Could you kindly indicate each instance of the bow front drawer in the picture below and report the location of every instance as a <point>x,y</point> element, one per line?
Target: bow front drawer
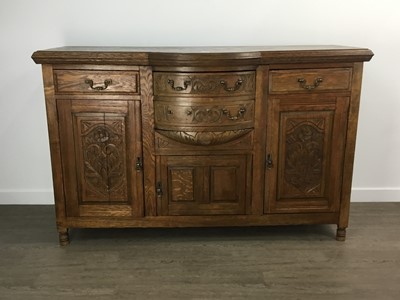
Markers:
<point>94,81</point>
<point>204,84</point>
<point>204,116</point>
<point>306,80</point>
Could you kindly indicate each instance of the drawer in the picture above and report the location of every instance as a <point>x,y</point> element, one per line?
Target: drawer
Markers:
<point>204,84</point>
<point>306,80</point>
<point>94,81</point>
<point>196,116</point>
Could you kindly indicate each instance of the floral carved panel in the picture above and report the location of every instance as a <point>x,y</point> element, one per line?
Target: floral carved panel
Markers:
<point>304,155</point>
<point>103,158</point>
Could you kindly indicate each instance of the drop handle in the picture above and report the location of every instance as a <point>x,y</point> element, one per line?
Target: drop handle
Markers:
<point>269,162</point>
<point>309,87</point>
<point>239,114</point>
<point>234,88</point>
<point>106,83</point>
<point>186,84</point>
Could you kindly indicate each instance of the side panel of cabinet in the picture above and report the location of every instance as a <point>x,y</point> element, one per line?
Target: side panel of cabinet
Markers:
<point>305,147</point>
<point>100,143</point>
<point>202,185</point>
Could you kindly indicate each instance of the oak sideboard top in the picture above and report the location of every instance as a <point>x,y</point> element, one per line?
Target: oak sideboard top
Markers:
<point>254,55</point>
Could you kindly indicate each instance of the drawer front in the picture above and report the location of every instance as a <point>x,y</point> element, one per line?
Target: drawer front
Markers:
<point>236,114</point>
<point>306,80</point>
<point>82,81</point>
<point>204,84</point>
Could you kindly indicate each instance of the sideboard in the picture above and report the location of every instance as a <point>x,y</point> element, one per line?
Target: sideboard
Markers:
<point>189,137</point>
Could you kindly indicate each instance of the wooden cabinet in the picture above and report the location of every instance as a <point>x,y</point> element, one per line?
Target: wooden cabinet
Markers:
<point>175,137</point>
<point>101,157</point>
<point>305,152</point>
<point>308,110</point>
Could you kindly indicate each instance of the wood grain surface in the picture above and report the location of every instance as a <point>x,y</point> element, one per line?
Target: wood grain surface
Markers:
<point>284,262</point>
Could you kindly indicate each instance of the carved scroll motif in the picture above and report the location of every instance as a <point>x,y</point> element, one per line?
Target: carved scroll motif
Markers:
<point>304,156</point>
<point>205,85</point>
<point>209,115</point>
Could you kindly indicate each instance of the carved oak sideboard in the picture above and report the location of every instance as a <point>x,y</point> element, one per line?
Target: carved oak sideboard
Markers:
<point>185,137</point>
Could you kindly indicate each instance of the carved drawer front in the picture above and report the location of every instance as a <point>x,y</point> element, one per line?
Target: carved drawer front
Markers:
<point>204,84</point>
<point>234,115</point>
<point>94,81</point>
<point>307,80</point>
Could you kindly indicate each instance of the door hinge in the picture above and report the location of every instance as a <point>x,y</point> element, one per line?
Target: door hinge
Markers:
<point>159,190</point>
<point>139,164</point>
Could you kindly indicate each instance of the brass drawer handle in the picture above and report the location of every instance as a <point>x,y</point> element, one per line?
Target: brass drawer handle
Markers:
<point>240,113</point>
<point>186,83</point>
<point>237,85</point>
<point>107,82</point>
<point>303,83</point>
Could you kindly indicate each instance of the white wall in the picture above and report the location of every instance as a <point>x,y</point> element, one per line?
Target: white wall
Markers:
<point>26,25</point>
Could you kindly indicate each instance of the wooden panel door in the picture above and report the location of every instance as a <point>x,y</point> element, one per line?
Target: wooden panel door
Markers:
<point>101,155</point>
<point>305,145</point>
<point>204,185</point>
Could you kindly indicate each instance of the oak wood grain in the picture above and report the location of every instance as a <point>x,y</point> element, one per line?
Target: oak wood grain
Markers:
<point>94,81</point>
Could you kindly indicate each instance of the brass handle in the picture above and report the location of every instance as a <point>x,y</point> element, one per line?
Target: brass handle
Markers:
<point>107,82</point>
<point>303,83</point>
<point>237,85</point>
<point>239,114</point>
<point>186,83</point>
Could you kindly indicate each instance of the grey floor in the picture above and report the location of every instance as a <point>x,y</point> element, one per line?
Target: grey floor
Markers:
<point>292,262</point>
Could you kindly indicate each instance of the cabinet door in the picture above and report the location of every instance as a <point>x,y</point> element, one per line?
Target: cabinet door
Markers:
<point>305,146</point>
<point>100,146</point>
<point>204,185</point>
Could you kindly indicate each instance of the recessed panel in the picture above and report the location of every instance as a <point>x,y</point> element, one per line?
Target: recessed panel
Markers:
<point>224,183</point>
<point>181,184</point>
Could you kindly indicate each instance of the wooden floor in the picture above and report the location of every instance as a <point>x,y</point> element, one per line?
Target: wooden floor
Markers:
<point>298,262</point>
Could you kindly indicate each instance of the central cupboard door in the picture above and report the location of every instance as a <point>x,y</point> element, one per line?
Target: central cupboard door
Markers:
<point>204,185</point>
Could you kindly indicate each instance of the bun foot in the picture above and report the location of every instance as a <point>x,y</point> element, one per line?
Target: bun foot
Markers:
<point>341,234</point>
<point>63,236</point>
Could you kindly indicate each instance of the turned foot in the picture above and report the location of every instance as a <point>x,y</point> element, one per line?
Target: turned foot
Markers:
<point>63,236</point>
<point>341,234</point>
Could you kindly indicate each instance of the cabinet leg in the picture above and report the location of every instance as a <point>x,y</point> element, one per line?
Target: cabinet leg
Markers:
<point>63,236</point>
<point>341,234</point>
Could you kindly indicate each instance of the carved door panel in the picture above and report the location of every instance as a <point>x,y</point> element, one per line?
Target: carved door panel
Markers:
<point>202,185</point>
<point>100,146</point>
<point>305,146</point>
